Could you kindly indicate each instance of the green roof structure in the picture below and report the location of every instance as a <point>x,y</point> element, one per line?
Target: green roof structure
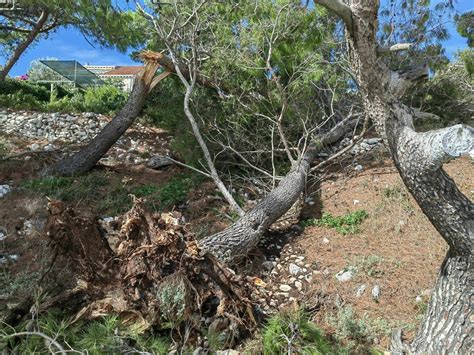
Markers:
<point>74,72</point>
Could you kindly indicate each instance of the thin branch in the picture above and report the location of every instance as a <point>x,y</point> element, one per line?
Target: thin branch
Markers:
<point>51,340</point>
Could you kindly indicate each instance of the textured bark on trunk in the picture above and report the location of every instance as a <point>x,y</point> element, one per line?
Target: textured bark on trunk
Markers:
<point>447,325</point>
<point>24,45</point>
<point>86,158</point>
<point>237,240</point>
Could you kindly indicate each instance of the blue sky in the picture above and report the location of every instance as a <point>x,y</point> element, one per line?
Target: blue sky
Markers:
<point>68,44</point>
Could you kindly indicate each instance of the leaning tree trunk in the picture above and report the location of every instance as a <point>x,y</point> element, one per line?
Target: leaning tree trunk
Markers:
<point>236,241</point>
<point>447,325</point>
<point>18,51</point>
<point>86,158</point>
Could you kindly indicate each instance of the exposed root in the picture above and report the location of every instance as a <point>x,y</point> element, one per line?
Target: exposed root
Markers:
<point>151,271</point>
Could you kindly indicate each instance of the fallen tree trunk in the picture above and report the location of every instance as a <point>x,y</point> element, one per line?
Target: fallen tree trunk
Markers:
<point>86,158</point>
<point>236,241</point>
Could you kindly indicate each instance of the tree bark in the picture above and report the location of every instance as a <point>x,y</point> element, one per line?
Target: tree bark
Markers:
<point>447,325</point>
<point>24,45</point>
<point>86,158</point>
<point>236,241</point>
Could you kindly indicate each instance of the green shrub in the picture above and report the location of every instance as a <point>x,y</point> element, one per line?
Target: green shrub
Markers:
<point>38,92</point>
<point>306,337</point>
<point>104,99</point>
<point>346,224</point>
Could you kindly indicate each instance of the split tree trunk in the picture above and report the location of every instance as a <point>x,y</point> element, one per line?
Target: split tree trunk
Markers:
<point>87,157</point>
<point>236,241</point>
<point>447,325</point>
<point>24,45</point>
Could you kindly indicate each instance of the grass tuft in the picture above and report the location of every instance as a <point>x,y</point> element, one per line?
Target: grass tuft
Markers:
<point>346,224</point>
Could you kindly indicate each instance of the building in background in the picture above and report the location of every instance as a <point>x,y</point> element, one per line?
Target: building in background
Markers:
<point>100,69</point>
<point>126,74</point>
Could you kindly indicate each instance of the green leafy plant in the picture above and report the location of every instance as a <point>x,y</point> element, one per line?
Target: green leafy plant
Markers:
<point>346,224</point>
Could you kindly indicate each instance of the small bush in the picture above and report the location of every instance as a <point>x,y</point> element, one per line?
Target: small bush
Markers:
<point>347,224</point>
<point>306,337</point>
<point>104,99</point>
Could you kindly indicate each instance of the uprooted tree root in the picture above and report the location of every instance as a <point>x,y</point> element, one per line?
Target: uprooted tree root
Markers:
<point>151,272</point>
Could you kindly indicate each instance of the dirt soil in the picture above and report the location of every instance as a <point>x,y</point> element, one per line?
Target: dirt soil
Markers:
<point>397,249</point>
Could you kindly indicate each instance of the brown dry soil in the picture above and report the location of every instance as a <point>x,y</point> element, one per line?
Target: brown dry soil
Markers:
<point>397,248</point>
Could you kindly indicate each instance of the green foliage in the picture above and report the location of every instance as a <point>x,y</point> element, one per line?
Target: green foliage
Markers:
<point>346,224</point>
<point>465,26</point>
<point>102,21</point>
<point>103,336</point>
<point>306,337</point>
<point>19,94</point>
<point>23,95</point>
<point>104,99</point>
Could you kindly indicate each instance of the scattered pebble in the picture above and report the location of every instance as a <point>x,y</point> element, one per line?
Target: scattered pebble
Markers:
<point>358,167</point>
<point>376,293</point>
<point>345,275</point>
<point>294,269</point>
<point>360,290</point>
<point>285,288</point>
<point>4,189</point>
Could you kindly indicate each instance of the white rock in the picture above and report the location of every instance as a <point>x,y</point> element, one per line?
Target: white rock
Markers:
<point>298,285</point>
<point>35,147</point>
<point>294,269</point>
<point>376,292</point>
<point>3,236</point>
<point>269,265</point>
<point>360,290</point>
<point>358,167</point>
<point>285,288</point>
<point>345,275</point>
<point>325,240</point>
<point>4,189</point>
<point>356,202</point>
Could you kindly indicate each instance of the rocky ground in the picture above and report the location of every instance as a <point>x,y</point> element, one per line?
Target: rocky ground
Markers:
<point>374,279</point>
<point>50,132</point>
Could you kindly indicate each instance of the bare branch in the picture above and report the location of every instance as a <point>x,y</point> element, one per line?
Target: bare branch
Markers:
<point>340,9</point>
<point>395,48</point>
